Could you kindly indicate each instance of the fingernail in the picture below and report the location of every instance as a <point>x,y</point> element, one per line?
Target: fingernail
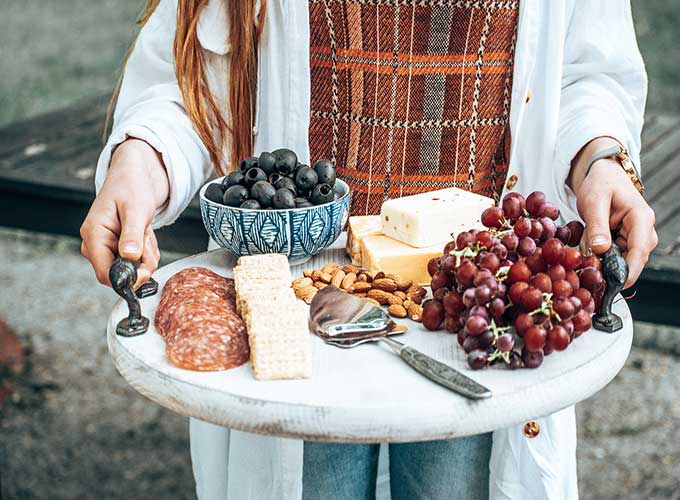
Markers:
<point>130,247</point>
<point>598,240</point>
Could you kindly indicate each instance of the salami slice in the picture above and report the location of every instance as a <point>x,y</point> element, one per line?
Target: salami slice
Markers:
<point>197,319</point>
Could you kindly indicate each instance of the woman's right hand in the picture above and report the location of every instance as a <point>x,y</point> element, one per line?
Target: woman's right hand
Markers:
<point>119,220</point>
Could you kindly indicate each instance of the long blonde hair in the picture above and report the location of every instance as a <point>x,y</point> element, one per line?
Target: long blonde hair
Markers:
<point>245,27</point>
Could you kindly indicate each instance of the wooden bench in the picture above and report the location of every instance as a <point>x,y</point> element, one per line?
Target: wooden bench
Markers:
<point>46,184</point>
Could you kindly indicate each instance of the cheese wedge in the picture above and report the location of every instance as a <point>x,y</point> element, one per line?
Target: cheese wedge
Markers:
<point>382,253</point>
<point>427,219</point>
<point>358,227</point>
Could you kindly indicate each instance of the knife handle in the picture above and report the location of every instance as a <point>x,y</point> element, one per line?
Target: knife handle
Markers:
<point>442,374</point>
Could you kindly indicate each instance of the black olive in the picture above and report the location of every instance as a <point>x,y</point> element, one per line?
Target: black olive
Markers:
<point>286,161</point>
<point>247,164</point>
<point>235,195</point>
<point>283,199</point>
<point>299,166</point>
<point>326,172</point>
<point>287,183</point>
<point>300,199</point>
<point>306,178</point>
<point>274,178</point>
<point>322,193</point>
<point>303,204</point>
<point>254,175</point>
<point>267,162</point>
<point>214,193</point>
<point>252,204</point>
<point>233,179</point>
<point>263,192</point>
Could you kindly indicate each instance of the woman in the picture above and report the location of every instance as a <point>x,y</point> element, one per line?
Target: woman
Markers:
<point>405,96</point>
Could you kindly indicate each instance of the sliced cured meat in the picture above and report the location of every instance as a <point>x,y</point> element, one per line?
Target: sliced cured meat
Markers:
<point>197,319</point>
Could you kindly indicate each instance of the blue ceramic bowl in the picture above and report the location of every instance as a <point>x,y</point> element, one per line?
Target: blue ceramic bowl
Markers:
<point>298,233</point>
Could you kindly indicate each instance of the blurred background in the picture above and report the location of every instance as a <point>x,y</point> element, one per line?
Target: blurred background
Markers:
<point>70,427</point>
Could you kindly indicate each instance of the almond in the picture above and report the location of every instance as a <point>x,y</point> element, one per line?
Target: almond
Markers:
<point>400,294</point>
<point>393,299</point>
<point>360,295</point>
<point>348,281</point>
<point>349,268</point>
<point>307,273</point>
<point>320,285</point>
<point>361,286</point>
<point>325,277</point>
<point>307,293</point>
<point>415,312</point>
<point>374,275</point>
<point>403,284</point>
<point>329,268</point>
<point>407,303</point>
<point>385,284</point>
<point>302,282</point>
<point>338,276</point>
<point>414,297</point>
<point>372,301</point>
<point>397,311</point>
<point>363,277</point>
<point>379,295</point>
<point>416,289</point>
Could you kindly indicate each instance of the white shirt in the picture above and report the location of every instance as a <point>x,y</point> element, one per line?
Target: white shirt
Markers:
<point>577,75</point>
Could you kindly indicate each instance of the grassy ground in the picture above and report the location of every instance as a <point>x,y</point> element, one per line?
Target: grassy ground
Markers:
<point>52,53</point>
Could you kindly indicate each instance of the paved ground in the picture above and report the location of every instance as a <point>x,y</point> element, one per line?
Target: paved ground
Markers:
<point>74,429</point>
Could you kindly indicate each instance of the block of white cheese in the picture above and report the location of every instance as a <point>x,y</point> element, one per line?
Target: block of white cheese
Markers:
<point>426,219</point>
<point>358,227</point>
<point>382,253</point>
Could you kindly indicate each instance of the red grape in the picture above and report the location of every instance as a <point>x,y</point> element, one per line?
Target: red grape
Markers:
<point>522,227</point>
<point>572,278</point>
<point>469,297</point>
<point>515,291</point>
<point>515,360</point>
<point>583,295</point>
<point>453,303</point>
<point>519,271</point>
<point>482,295</point>
<point>592,261</point>
<point>550,211</point>
<point>449,247</point>
<point>475,325</point>
<point>490,261</point>
<point>569,327</point>
<point>485,239</point>
<point>512,208</point>
<point>526,247</point>
<point>464,239</point>
<point>590,306</point>
<point>480,311</point>
<point>591,278</point>
<point>486,338</point>
<point>439,294</point>
<point>576,229</point>
<point>536,229</point>
<point>497,307</point>
<point>518,197</point>
<point>461,336</point>
<point>561,288</point>
<point>549,228</point>
<point>470,344</point>
<point>581,321</point>
<point>482,276</point>
<point>556,272</point>
<point>563,234</point>
<point>505,342</point>
<point>534,338</point>
<point>433,265</point>
<point>452,323</point>
<point>532,359</point>
<point>558,338</point>
<point>477,359</point>
<point>564,307</point>
<point>502,290</point>
<point>493,217</point>
<point>447,263</point>
<point>576,302</point>
<point>500,251</point>
<point>510,240</point>
<point>553,251</point>
<point>536,263</point>
<point>433,315</point>
<point>535,203</point>
<point>571,259</point>
<point>523,322</point>
<point>531,299</point>
<point>542,281</point>
<point>466,273</point>
<point>440,280</point>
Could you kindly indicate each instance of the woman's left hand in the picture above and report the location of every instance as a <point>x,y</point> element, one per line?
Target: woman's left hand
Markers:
<point>608,200</point>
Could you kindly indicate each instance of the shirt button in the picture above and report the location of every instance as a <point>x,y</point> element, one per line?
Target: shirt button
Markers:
<point>527,98</point>
<point>531,429</point>
<point>255,130</point>
<point>512,180</point>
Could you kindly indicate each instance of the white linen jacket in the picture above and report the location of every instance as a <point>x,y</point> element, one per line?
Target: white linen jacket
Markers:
<point>578,75</point>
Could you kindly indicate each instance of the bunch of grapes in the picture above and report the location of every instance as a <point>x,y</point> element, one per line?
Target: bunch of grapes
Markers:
<point>518,290</point>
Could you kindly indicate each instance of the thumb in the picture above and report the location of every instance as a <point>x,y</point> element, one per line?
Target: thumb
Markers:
<point>133,225</point>
<point>595,211</point>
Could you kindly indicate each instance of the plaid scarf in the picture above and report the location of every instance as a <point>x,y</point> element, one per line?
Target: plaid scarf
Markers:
<point>412,95</point>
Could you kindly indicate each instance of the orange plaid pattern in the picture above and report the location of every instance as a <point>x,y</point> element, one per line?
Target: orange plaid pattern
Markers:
<point>412,95</point>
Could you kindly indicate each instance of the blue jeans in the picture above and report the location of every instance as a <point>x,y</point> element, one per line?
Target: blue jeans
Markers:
<point>436,470</point>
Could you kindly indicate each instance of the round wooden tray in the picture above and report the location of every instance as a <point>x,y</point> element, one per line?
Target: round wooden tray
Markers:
<point>366,394</point>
